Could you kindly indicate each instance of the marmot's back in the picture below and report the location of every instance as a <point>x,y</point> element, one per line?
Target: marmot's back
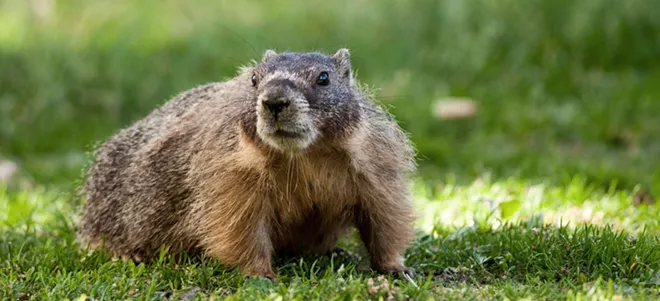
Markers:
<point>285,156</point>
<point>138,179</point>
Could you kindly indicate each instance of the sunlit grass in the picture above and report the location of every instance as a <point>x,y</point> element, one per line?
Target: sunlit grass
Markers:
<point>497,202</point>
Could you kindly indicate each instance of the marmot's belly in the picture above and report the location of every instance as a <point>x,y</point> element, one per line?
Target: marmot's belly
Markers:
<point>317,232</point>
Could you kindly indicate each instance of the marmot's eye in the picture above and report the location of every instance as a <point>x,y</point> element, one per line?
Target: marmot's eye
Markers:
<point>324,79</point>
<point>254,79</point>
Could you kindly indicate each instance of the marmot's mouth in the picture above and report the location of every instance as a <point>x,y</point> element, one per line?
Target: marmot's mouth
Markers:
<point>287,134</point>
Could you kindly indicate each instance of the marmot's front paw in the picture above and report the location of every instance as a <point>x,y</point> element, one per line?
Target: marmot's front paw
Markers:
<point>397,270</point>
<point>266,275</point>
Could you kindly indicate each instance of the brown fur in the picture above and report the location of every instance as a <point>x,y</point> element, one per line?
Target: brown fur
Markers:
<point>195,175</point>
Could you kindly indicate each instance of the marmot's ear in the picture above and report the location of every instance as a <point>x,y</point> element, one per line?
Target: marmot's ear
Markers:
<point>342,59</point>
<point>268,55</point>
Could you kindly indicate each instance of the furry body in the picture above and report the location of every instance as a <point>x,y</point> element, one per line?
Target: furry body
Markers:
<point>214,170</point>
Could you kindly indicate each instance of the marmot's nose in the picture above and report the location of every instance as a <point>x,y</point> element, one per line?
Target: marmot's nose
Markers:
<point>276,105</point>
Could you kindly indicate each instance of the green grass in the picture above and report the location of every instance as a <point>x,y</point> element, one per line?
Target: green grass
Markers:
<point>533,197</point>
<point>484,253</point>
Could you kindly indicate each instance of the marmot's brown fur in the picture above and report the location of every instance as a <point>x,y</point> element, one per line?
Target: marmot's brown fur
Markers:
<point>285,156</point>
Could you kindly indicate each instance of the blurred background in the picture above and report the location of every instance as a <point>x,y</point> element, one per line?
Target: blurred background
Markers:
<point>548,89</point>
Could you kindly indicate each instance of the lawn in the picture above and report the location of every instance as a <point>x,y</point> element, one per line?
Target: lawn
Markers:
<point>545,193</point>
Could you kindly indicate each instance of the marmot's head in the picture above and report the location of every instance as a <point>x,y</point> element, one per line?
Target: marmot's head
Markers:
<point>303,97</point>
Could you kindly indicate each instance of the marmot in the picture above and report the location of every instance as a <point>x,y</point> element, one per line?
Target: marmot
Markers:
<point>285,156</point>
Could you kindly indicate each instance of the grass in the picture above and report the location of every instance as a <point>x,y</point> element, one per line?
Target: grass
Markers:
<point>536,197</point>
<point>488,251</point>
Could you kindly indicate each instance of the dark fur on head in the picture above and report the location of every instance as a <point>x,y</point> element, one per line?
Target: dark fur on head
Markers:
<point>310,108</point>
<point>278,158</point>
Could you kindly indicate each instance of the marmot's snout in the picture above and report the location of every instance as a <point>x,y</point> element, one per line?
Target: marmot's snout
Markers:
<point>283,119</point>
<point>276,97</point>
<point>281,106</point>
<point>276,105</point>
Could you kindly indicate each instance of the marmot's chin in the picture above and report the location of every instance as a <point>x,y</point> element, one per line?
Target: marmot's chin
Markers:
<point>284,140</point>
<point>286,143</point>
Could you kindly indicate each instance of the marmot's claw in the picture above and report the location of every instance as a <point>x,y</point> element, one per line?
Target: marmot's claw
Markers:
<point>410,272</point>
<point>340,251</point>
<point>268,275</point>
<point>403,272</point>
